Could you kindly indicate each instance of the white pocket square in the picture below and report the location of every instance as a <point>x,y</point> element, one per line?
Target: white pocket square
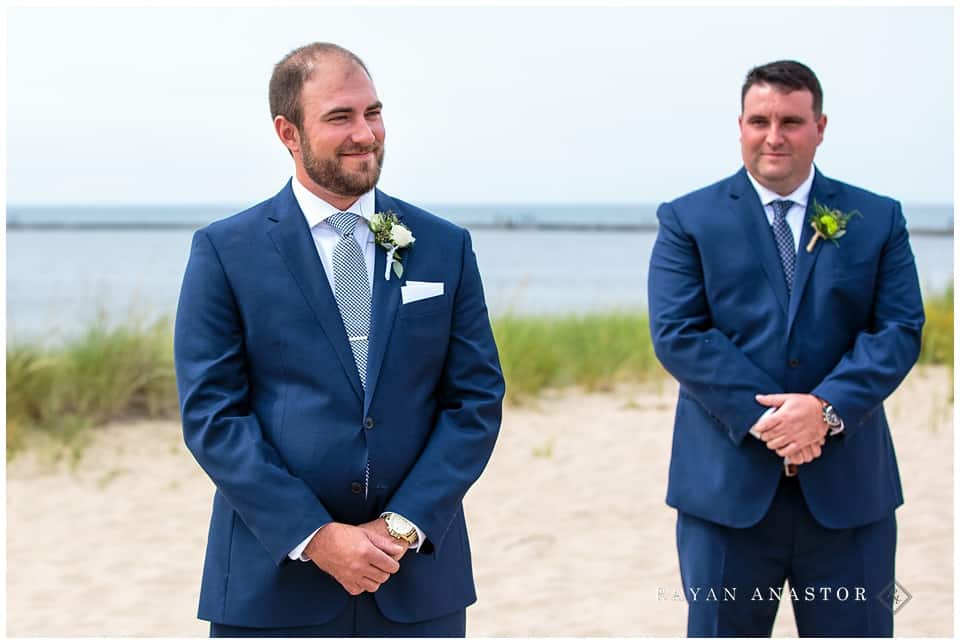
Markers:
<point>416,291</point>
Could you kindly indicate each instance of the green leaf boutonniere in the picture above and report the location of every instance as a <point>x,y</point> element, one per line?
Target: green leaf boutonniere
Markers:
<point>393,236</point>
<point>829,224</point>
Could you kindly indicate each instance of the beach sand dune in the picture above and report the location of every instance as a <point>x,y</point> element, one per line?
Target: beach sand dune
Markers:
<point>569,530</point>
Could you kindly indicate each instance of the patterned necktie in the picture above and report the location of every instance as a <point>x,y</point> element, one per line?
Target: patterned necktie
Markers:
<point>351,288</point>
<point>784,237</point>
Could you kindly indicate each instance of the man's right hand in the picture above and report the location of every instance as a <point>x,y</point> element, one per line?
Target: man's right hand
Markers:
<point>377,532</point>
<point>807,453</point>
<point>349,555</point>
<point>796,430</point>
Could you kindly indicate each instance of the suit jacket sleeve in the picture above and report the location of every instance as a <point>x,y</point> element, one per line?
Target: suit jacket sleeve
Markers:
<point>705,362</point>
<point>218,426</point>
<point>881,355</point>
<point>470,394</point>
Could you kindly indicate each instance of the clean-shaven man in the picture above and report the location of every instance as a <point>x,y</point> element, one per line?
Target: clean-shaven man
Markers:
<point>339,383</point>
<point>785,339</point>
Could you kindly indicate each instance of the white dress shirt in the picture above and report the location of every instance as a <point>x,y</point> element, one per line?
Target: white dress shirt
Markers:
<point>325,237</point>
<point>794,218</point>
<point>799,197</point>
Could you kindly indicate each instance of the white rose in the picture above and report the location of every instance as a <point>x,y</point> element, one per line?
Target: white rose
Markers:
<point>401,236</point>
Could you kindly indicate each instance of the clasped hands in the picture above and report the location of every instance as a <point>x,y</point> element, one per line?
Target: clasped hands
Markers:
<point>796,430</point>
<point>360,558</point>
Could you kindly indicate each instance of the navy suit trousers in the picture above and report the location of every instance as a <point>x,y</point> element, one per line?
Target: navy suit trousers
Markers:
<point>360,618</point>
<point>731,576</point>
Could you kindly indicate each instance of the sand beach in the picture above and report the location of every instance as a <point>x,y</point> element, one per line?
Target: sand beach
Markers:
<point>569,530</point>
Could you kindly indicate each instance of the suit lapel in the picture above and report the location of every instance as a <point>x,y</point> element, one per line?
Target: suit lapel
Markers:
<point>749,212</point>
<point>291,235</point>
<point>386,302</point>
<point>822,191</point>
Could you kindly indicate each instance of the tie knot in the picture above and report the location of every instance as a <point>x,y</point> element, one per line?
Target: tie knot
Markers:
<point>780,208</point>
<point>344,222</point>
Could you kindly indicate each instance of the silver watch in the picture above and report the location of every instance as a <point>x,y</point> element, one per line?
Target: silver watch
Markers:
<point>830,417</point>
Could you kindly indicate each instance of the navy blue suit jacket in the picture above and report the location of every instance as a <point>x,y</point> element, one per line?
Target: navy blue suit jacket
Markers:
<point>274,412</point>
<point>723,325</point>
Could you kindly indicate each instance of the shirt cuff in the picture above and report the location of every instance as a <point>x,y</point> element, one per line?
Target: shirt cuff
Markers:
<point>297,553</point>
<point>836,430</point>
<point>756,434</point>
<point>753,430</point>
<point>420,536</point>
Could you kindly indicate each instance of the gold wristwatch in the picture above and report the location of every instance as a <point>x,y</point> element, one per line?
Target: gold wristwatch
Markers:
<point>400,528</point>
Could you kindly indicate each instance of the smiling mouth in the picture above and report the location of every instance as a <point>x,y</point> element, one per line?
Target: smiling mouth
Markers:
<point>359,152</point>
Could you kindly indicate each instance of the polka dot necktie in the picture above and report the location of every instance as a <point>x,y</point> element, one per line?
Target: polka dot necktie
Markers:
<point>351,289</point>
<point>784,238</point>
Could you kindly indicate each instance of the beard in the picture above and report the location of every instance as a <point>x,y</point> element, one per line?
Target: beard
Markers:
<point>330,174</point>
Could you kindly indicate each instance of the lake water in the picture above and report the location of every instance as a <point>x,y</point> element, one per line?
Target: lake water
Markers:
<point>60,279</point>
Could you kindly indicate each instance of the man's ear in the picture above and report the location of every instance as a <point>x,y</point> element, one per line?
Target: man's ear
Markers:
<point>288,133</point>
<point>821,126</point>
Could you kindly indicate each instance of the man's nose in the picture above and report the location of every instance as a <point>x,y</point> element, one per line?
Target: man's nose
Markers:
<point>363,133</point>
<point>774,136</point>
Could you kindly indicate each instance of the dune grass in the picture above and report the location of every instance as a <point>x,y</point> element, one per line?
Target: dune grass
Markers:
<point>594,351</point>
<point>113,372</point>
<point>106,373</point>
<point>937,346</point>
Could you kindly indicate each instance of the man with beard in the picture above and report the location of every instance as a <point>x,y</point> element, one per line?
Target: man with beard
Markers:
<point>339,383</point>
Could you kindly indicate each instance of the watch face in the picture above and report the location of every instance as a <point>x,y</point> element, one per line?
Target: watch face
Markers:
<point>400,525</point>
<point>831,417</point>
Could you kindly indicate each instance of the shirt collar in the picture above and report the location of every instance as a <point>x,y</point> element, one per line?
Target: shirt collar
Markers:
<point>800,196</point>
<point>316,210</point>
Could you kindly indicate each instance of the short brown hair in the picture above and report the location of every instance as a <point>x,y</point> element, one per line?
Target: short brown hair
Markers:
<point>290,74</point>
<point>788,75</point>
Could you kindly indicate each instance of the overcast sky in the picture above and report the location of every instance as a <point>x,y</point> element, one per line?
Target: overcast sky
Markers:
<point>481,105</point>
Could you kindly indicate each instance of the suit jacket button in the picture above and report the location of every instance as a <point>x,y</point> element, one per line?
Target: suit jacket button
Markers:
<point>356,487</point>
<point>368,423</point>
<point>794,363</point>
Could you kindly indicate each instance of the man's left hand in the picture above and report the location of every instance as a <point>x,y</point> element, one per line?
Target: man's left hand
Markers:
<point>796,426</point>
<point>377,529</point>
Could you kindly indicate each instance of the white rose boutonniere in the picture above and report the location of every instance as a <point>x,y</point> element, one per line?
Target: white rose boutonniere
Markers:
<point>393,236</point>
<point>401,236</point>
